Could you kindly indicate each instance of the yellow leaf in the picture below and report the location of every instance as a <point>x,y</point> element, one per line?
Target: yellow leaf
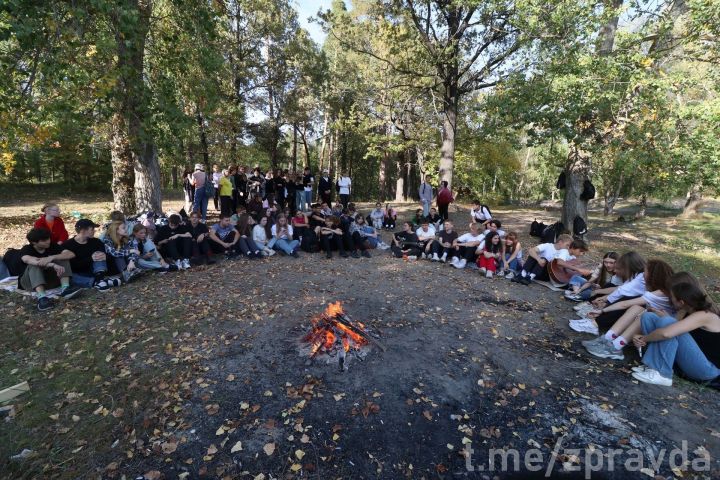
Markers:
<point>236,448</point>
<point>299,454</point>
<point>295,467</point>
<point>269,449</point>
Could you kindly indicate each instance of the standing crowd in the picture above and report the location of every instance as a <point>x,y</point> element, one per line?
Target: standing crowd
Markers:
<point>626,300</point>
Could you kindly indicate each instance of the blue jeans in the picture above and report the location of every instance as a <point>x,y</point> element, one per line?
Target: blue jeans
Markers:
<point>87,281</point>
<point>426,207</point>
<point>580,281</point>
<point>515,265</point>
<point>681,350</point>
<point>300,200</point>
<point>4,273</point>
<point>286,246</point>
<point>201,202</point>
<point>308,199</point>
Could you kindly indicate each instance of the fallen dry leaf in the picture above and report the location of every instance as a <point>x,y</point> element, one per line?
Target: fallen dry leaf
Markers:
<point>269,449</point>
<point>236,448</point>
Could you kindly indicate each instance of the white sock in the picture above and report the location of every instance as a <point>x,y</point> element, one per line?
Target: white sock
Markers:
<point>619,342</point>
<point>532,276</point>
<point>610,335</point>
<point>523,273</point>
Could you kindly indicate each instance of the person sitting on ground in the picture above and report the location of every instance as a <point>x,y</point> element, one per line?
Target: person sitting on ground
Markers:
<point>224,238</point>
<point>467,246</point>
<point>418,219</point>
<point>326,210</point>
<point>45,265</point>
<point>602,278</point>
<point>426,235</point>
<point>316,218</point>
<point>658,276</point>
<point>87,258</point>
<point>377,215</point>
<point>630,267</point>
<point>494,226</point>
<point>117,216</point>
<point>175,242</point>
<point>255,207</point>
<point>246,244</point>
<point>148,257</point>
<point>282,234</point>
<point>51,221</point>
<point>236,216</point>
<point>389,218</point>
<point>263,238</point>
<point>148,221</point>
<point>199,235</point>
<point>511,256</point>
<point>364,237</point>
<point>435,219</point>
<point>689,342</point>
<point>444,245</point>
<point>300,225</point>
<point>331,237</point>
<point>490,255</point>
<point>480,213</point>
<point>540,256</point>
<point>405,243</point>
<point>118,247</point>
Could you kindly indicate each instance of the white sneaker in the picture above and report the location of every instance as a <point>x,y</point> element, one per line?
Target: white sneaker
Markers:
<point>582,306</point>
<point>640,368</point>
<point>584,325</point>
<point>510,275</point>
<point>460,264</point>
<point>653,377</point>
<point>454,261</point>
<point>186,263</point>
<point>412,257</point>
<point>435,257</point>
<point>483,270</point>
<point>488,274</point>
<point>444,258</point>
<point>423,256</point>
<point>179,264</point>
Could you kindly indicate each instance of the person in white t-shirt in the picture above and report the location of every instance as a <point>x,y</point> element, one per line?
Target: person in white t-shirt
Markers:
<point>480,213</point>
<point>344,185</point>
<point>282,233</point>
<point>216,176</point>
<point>539,256</point>
<point>467,244</point>
<point>426,235</point>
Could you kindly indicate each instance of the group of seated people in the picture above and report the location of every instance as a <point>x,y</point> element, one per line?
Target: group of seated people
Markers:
<point>627,300</point>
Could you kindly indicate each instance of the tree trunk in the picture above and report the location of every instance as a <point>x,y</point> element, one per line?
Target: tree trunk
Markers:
<point>576,172</point>
<point>148,193</point>
<point>121,159</point>
<point>323,145</point>
<point>694,201</point>
<point>294,148</point>
<point>174,176</point>
<point>447,150</point>
<point>612,197</point>
<point>203,141</point>
<point>643,206</point>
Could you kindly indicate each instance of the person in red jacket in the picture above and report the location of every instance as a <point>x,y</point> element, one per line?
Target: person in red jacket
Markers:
<point>444,199</point>
<point>51,220</point>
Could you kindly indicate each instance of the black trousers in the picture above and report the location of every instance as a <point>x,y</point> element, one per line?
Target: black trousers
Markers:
<point>177,249</point>
<point>217,248</point>
<point>326,197</point>
<point>344,199</point>
<point>216,197</point>
<point>606,319</point>
<point>358,242</point>
<point>437,247</point>
<point>226,207</point>
<point>388,222</point>
<point>532,266</point>
<point>443,211</point>
<point>411,251</point>
<point>332,242</point>
<point>468,253</point>
<point>201,248</point>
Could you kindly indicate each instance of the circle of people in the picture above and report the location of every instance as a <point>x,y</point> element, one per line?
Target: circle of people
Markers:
<point>667,316</point>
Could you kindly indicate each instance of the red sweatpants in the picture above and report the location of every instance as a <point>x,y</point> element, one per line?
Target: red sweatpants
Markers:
<point>487,263</point>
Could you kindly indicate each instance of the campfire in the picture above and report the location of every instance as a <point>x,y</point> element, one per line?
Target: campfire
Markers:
<point>335,334</point>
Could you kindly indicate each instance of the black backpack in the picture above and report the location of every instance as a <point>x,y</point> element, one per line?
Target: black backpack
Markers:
<point>551,232</point>
<point>536,228</point>
<point>561,181</point>
<point>579,226</point>
<point>13,261</point>
<point>483,206</point>
<point>588,192</point>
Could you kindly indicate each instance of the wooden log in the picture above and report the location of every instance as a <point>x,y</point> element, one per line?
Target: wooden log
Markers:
<point>11,392</point>
<point>346,321</point>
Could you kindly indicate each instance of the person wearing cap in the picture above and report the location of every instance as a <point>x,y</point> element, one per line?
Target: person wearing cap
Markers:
<point>325,187</point>
<point>87,258</point>
<point>200,202</point>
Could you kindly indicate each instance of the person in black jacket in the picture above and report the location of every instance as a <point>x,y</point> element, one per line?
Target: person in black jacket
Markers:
<point>200,245</point>
<point>325,187</point>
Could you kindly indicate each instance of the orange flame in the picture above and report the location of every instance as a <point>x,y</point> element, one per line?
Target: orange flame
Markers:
<point>326,329</point>
<point>334,309</point>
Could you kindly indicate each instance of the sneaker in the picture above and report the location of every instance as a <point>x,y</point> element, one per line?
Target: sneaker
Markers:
<point>113,282</point>
<point>328,255</point>
<point>606,350</point>
<point>653,377</point>
<point>488,274</point>
<point>574,298</point>
<point>524,280</point>
<point>584,325</point>
<point>412,257</point>
<point>583,306</point>
<point>355,254</point>
<point>510,275</point>
<point>102,286</point>
<point>70,292</point>
<point>595,341</point>
<point>435,257</point>
<point>179,264</point>
<point>45,303</point>
<point>423,256</point>
<point>444,258</point>
<point>483,270</point>
<point>472,266</point>
<point>640,368</point>
<point>460,264</point>
<point>295,254</point>
<point>366,254</point>
<point>344,255</point>
<point>454,261</point>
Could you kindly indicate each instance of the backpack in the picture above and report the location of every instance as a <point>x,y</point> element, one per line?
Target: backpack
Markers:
<point>309,242</point>
<point>561,181</point>
<point>209,187</point>
<point>588,192</point>
<point>551,232</point>
<point>13,261</point>
<point>579,226</point>
<point>536,228</point>
<point>483,206</point>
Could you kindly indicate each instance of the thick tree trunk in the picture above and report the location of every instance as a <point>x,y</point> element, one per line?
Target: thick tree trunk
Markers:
<point>643,206</point>
<point>611,198</point>
<point>323,145</point>
<point>203,141</point>
<point>121,158</point>
<point>447,150</point>
<point>576,172</point>
<point>294,148</point>
<point>694,201</point>
<point>174,176</point>
<point>148,193</point>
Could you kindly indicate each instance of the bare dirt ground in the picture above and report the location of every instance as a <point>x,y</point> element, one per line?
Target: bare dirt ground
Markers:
<point>199,375</point>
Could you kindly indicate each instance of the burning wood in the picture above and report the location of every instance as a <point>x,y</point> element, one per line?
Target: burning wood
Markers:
<point>336,334</point>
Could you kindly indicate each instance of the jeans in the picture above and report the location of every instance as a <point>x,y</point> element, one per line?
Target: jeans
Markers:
<point>579,281</point>
<point>300,200</point>
<point>681,350</point>
<point>200,202</point>
<point>287,246</point>
<point>247,245</point>
<point>515,265</point>
<point>308,198</point>
<point>4,273</point>
<point>83,280</point>
<point>426,207</point>
<point>178,249</point>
